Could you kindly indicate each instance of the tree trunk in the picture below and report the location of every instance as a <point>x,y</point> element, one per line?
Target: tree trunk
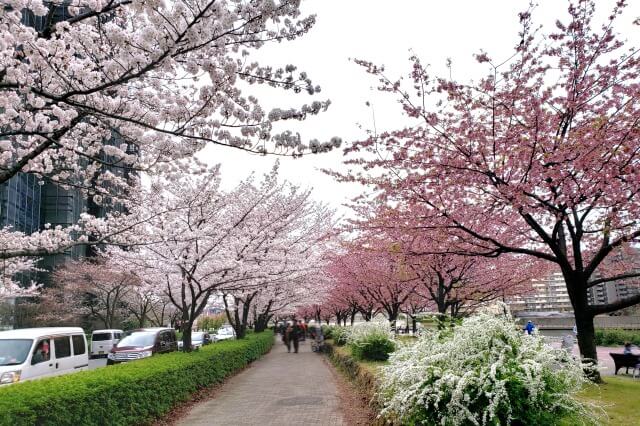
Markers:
<point>367,315</point>
<point>584,323</point>
<point>414,325</point>
<point>262,322</point>
<point>393,317</point>
<point>353,316</point>
<point>186,335</point>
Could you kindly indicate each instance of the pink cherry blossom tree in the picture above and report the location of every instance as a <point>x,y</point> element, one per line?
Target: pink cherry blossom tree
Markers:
<point>538,158</point>
<point>96,289</point>
<point>286,297</point>
<point>375,267</point>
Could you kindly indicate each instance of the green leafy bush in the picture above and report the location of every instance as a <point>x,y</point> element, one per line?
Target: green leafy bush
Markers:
<point>327,331</point>
<point>375,348</point>
<point>131,393</point>
<point>371,341</point>
<point>340,335</point>
<point>616,337</point>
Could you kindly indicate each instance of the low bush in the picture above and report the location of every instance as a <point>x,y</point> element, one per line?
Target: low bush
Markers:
<point>131,393</point>
<point>372,341</point>
<point>339,335</point>
<point>484,372</point>
<point>616,337</point>
<point>327,331</point>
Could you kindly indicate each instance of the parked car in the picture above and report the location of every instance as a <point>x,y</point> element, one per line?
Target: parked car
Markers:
<point>198,340</point>
<point>102,341</point>
<point>224,333</point>
<point>31,353</point>
<point>143,343</point>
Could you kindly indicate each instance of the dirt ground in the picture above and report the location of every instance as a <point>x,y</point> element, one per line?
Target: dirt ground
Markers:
<point>354,405</point>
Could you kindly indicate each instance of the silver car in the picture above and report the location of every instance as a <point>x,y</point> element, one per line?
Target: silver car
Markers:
<point>224,333</point>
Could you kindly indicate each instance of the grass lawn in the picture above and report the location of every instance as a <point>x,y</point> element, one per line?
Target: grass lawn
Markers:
<point>406,338</point>
<point>619,396</point>
<point>371,366</point>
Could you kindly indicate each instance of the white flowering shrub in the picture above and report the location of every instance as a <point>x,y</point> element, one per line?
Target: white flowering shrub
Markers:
<point>371,340</point>
<point>338,334</point>
<point>483,372</point>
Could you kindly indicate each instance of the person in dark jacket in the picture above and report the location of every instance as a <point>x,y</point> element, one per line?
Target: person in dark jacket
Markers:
<point>287,329</point>
<point>294,335</point>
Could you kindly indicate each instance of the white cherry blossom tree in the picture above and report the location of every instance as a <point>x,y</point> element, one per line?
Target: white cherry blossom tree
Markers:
<point>94,92</point>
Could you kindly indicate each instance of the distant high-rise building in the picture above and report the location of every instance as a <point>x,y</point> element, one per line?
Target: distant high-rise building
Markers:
<point>548,294</point>
<point>610,292</point>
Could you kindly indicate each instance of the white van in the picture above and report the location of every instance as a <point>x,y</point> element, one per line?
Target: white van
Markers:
<point>102,341</point>
<point>30,353</point>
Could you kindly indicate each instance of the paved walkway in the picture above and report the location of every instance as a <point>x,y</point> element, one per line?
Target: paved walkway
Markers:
<point>279,389</point>
<point>607,366</point>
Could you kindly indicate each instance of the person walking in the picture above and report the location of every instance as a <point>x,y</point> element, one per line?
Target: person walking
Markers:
<point>286,335</point>
<point>296,332</point>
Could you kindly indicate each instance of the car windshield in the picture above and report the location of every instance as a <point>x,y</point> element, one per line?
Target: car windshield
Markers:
<point>138,339</point>
<point>225,331</point>
<point>14,351</point>
<point>101,336</point>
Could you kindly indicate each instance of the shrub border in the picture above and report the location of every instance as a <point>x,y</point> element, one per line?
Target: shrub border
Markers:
<point>364,380</point>
<point>133,393</point>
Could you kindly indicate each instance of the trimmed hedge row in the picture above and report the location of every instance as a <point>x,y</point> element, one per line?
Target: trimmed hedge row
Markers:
<point>133,393</point>
<point>616,336</point>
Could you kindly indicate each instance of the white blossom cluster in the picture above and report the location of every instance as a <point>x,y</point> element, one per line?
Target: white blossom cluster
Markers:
<point>364,331</point>
<point>10,269</point>
<point>167,77</point>
<point>485,371</point>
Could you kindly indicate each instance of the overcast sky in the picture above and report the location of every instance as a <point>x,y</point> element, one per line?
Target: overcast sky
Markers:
<point>383,32</point>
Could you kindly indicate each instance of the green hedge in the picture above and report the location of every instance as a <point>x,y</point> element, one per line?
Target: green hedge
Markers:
<point>373,348</point>
<point>615,337</point>
<point>133,393</point>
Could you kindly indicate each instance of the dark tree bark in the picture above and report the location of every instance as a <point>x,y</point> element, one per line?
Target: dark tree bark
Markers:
<point>238,319</point>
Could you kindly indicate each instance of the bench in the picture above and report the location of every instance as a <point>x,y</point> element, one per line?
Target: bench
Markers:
<point>622,360</point>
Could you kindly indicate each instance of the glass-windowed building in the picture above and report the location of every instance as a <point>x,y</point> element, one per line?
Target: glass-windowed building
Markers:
<point>20,203</point>
<point>27,206</point>
<point>61,207</point>
<point>28,203</point>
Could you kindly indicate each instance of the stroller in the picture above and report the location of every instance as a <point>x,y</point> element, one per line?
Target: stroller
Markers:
<point>317,342</point>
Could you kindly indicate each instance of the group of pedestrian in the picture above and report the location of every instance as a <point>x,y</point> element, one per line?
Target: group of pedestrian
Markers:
<point>295,331</point>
